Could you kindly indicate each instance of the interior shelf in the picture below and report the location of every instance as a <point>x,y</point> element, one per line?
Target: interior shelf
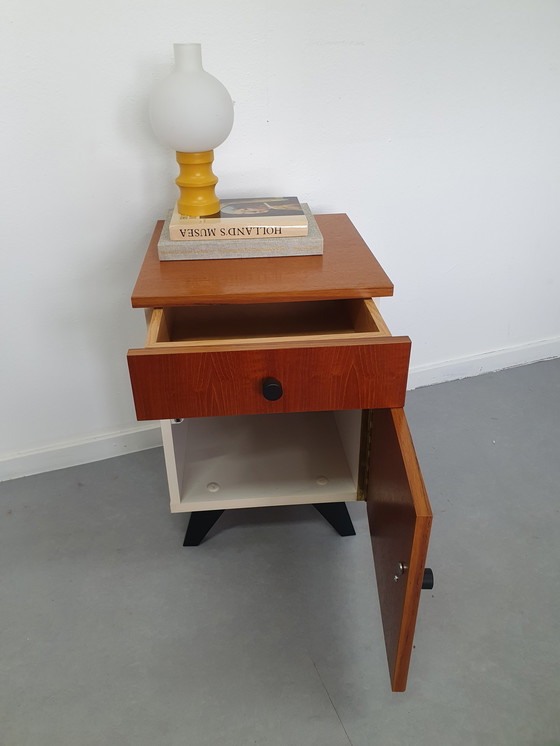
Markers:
<point>216,463</point>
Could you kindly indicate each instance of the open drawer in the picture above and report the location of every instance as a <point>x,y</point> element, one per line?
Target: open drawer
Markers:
<point>215,360</point>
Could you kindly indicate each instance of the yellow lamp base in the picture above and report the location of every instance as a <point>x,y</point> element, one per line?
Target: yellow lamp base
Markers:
<point>196,181</point>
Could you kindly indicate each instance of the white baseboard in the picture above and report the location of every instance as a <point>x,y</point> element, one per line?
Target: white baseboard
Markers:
<point>79,451</point>
<point>487,362</point>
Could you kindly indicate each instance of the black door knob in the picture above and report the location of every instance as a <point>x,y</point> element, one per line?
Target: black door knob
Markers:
<point>271,389</point>
<point>428,579</point>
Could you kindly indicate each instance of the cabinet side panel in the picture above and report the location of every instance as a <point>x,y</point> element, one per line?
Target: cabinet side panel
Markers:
<point>348,423</point>
<point>170,462</point>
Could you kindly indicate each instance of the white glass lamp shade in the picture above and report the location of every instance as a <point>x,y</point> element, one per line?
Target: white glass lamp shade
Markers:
<point>190,110</point>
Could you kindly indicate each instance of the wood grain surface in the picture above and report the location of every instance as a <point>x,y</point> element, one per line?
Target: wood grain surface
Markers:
<point>347,269</point>
<point>174,383</point>
<point>400,519</point>
<point>185,325</point>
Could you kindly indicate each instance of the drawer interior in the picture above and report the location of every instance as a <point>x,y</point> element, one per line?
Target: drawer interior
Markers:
<point>257,460</point>
<point>194,324</point>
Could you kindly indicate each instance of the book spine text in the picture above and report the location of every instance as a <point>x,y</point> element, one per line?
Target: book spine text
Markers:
<point>178,233</point>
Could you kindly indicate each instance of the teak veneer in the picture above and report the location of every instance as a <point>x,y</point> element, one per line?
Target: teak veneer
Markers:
<point>277,382</point>
<point>346,269</point>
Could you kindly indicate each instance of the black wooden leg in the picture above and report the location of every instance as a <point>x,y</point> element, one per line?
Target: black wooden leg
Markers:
<point>202,521</point>
<point>199,524</point>
<point>337,515</point>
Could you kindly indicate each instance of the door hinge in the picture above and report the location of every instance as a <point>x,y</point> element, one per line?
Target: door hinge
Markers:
<point>365,453</point>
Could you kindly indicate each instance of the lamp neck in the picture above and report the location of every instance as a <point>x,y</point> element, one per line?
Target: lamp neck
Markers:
<point>188,57</point>
<point>196,182</point>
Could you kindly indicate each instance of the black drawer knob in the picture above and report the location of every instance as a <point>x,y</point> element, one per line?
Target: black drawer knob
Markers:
<point>271,389</point>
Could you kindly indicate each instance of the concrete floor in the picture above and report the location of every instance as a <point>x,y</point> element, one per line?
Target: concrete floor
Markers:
<point>112,633</point>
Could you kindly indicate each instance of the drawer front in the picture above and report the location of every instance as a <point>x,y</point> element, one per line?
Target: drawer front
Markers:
<point>174,382</point>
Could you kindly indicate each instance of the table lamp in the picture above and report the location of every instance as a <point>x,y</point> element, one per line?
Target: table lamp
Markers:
<point>192,112</point>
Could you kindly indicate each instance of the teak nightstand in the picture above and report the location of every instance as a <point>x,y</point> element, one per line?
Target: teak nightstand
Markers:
<point>278,383</point>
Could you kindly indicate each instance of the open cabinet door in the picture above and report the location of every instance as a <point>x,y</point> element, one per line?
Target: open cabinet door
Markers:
<point>400,518</point>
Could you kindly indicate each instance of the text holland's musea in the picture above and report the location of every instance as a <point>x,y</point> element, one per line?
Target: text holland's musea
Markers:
<point>260,230</point>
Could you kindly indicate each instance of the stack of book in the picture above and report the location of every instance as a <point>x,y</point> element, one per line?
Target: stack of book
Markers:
<point>253,227</point>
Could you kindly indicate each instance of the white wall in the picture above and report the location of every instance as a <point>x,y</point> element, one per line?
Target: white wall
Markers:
<point>434,125</point>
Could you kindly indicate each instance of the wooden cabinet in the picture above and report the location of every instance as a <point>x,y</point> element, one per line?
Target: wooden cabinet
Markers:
<point>278,382</point>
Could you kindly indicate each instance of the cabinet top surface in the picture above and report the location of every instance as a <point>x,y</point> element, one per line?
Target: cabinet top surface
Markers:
<point>346,269</point>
